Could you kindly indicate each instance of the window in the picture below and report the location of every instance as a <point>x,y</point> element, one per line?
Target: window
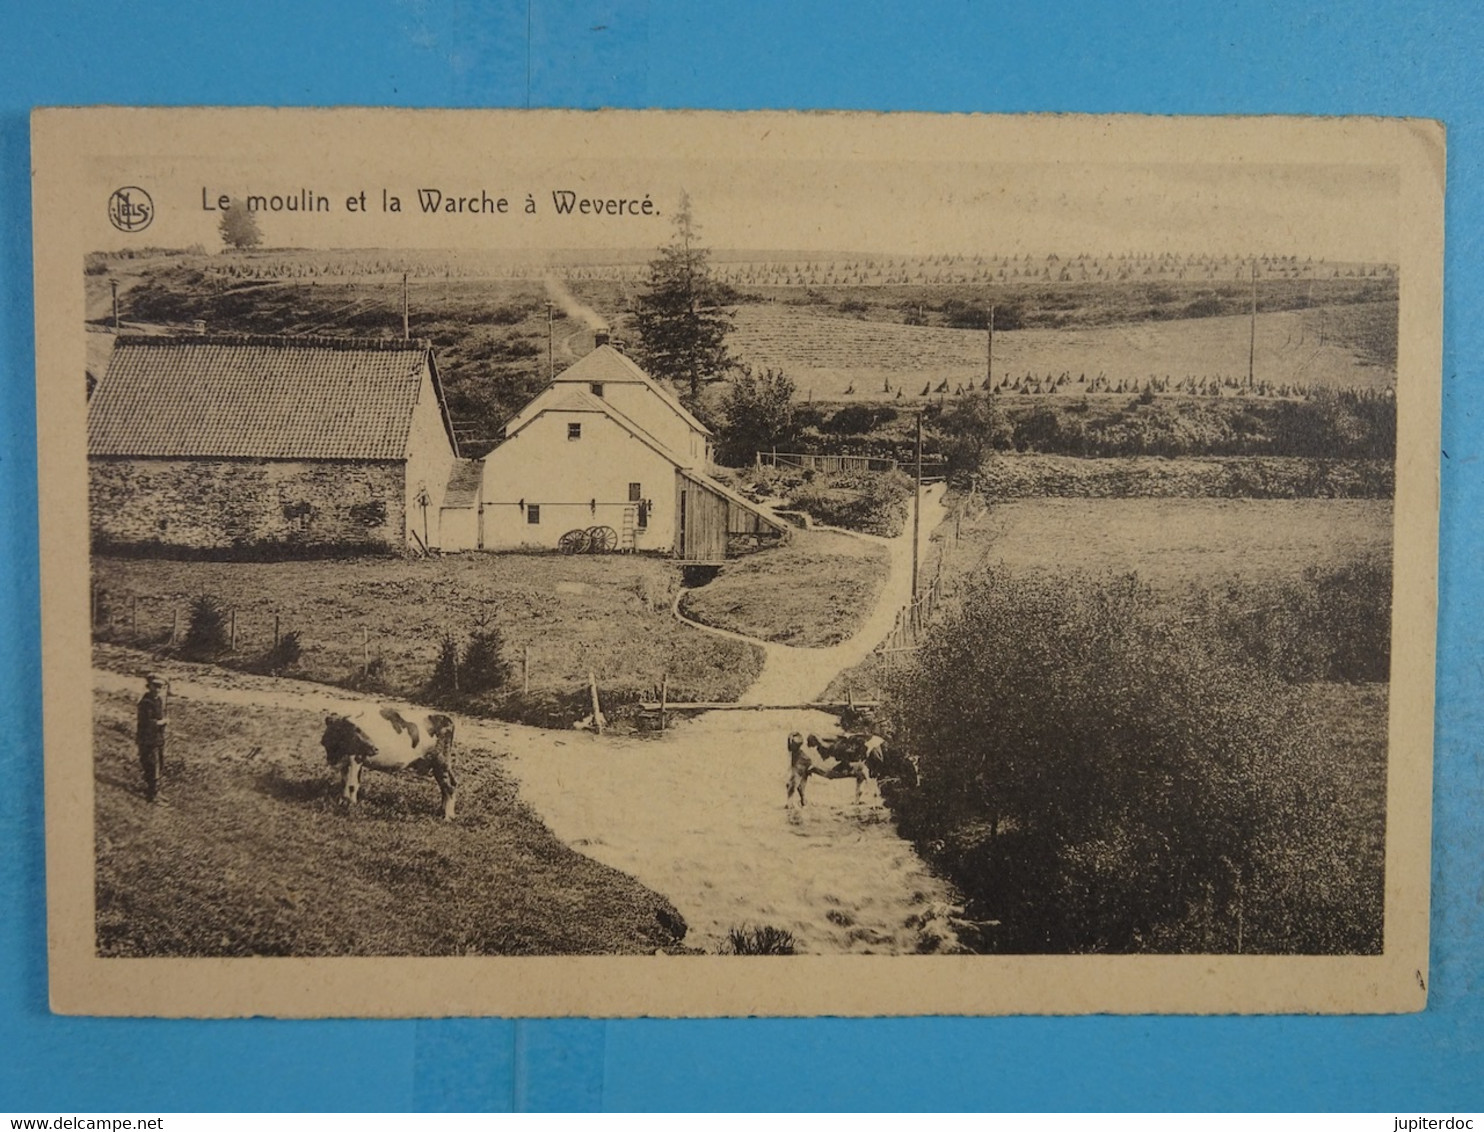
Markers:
<point>533,513</point>
<point>574,430</point>
<point>596,388</point>
<point>636,492</point>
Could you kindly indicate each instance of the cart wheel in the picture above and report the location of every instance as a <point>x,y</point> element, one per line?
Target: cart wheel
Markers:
<point>573,542</point>
<point>601,540</point>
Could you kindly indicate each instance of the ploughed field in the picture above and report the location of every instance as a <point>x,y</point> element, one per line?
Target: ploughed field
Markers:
<point>826,355</point>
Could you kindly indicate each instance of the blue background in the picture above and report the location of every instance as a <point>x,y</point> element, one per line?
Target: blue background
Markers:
<point>1244,57</point>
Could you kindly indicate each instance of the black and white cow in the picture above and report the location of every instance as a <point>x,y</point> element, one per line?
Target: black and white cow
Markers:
<point>863,757</point>
<point>391,739</point>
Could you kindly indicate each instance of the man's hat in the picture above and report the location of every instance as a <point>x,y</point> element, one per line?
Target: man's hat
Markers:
<point>155,680</point>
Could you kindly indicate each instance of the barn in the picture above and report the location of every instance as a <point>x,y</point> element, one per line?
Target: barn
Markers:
<point>606,447</point>
<point>243,446</point>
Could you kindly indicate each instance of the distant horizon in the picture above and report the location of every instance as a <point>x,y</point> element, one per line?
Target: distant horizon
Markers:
<point>637,254</point>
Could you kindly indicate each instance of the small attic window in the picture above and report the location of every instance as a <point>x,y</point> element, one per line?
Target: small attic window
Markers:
<point>574,430</point>
<point>595,388</point>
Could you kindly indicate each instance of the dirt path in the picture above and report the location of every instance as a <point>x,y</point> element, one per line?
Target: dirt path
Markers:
<point>794,675</point>
<point>697,814</point>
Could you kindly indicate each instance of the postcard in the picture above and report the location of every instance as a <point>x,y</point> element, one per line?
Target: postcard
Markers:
<point>542,563</point>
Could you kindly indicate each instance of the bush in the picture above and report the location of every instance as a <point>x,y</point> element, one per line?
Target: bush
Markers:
<point>765,940</point>
<point>445,679</point>
<point>872,502</point>
<point>206,632</point>
<point>475,670</point>
<point>484,668</point>
<point>1099,775</point>
<point>285,654</point>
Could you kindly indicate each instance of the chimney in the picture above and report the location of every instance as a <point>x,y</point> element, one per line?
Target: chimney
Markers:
<point>600,338</point>
<point>199,326</point>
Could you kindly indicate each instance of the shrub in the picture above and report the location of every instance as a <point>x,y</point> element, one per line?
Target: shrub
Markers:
<point>764,940</point>
<point>1101,776</point>
<point>872,502</point>
<point>484,668</point>
<point>285,654</point>
<point>206,632</point>
<point>445,679</point>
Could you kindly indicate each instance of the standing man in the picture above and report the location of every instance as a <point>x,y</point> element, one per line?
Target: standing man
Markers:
<point>150,734</point>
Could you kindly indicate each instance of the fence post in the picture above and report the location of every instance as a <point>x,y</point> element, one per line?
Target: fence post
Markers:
<point>525,670</point>
<point>133,615</point>
<point>174,625</point>
<point>592,683</point>
<point>664,696</point>
<point>232,617</point>
<point>366,653</point>
<point>275,631</point>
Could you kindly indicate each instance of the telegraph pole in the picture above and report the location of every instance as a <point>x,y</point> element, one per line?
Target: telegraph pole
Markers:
<point>550,345</point>
<point>115,284</point>
<point>989,361</point>
<point>917,507</point>
<point>1252,332</point>
<point>406,322</point>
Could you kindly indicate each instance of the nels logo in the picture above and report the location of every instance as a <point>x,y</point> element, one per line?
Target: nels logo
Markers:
<point>130,209</point>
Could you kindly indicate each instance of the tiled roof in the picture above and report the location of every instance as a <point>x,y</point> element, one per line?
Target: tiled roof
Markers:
<point>610,366</point>
<point>252,396</point>
<point>463,484</point>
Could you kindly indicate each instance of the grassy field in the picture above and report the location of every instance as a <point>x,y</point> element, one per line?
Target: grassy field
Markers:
<point>249,853</point>
<point>610,616</point>
<point>1176,543</point>
<point>817,591</point>
<point>1172,544</point>
<point>826,354</point>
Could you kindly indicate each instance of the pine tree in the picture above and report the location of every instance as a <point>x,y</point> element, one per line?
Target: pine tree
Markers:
<point>679,319</point>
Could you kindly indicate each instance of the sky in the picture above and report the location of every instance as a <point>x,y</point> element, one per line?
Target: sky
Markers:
<point>853,202</point>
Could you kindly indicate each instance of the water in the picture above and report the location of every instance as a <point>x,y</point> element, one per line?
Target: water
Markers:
<point>699,815</point>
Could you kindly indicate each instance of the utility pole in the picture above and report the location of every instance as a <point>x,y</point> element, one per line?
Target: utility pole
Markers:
<point>406,322</point>
<point>1252,332</point>
<point>550,345</point>
<point>989,361</point>
<point>917,507</point>
<point>115,285</point>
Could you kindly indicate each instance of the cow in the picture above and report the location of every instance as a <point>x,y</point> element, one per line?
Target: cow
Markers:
<point>391,739</point>
<point>863,757</point>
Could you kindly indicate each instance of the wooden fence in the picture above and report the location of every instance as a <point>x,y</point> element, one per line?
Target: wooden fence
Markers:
<point>824,463</point>
<point>913,618</point>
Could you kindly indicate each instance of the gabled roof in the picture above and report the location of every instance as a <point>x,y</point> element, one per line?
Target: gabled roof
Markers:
<point>611,367</point>
<point>555,400</point>
<point>272,397</point>
<point>578,401</point>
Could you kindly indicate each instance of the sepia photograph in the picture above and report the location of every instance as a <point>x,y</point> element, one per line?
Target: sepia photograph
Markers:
<point>981,565</point>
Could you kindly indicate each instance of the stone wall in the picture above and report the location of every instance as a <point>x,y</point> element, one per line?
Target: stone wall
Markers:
<point>246,507</point>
